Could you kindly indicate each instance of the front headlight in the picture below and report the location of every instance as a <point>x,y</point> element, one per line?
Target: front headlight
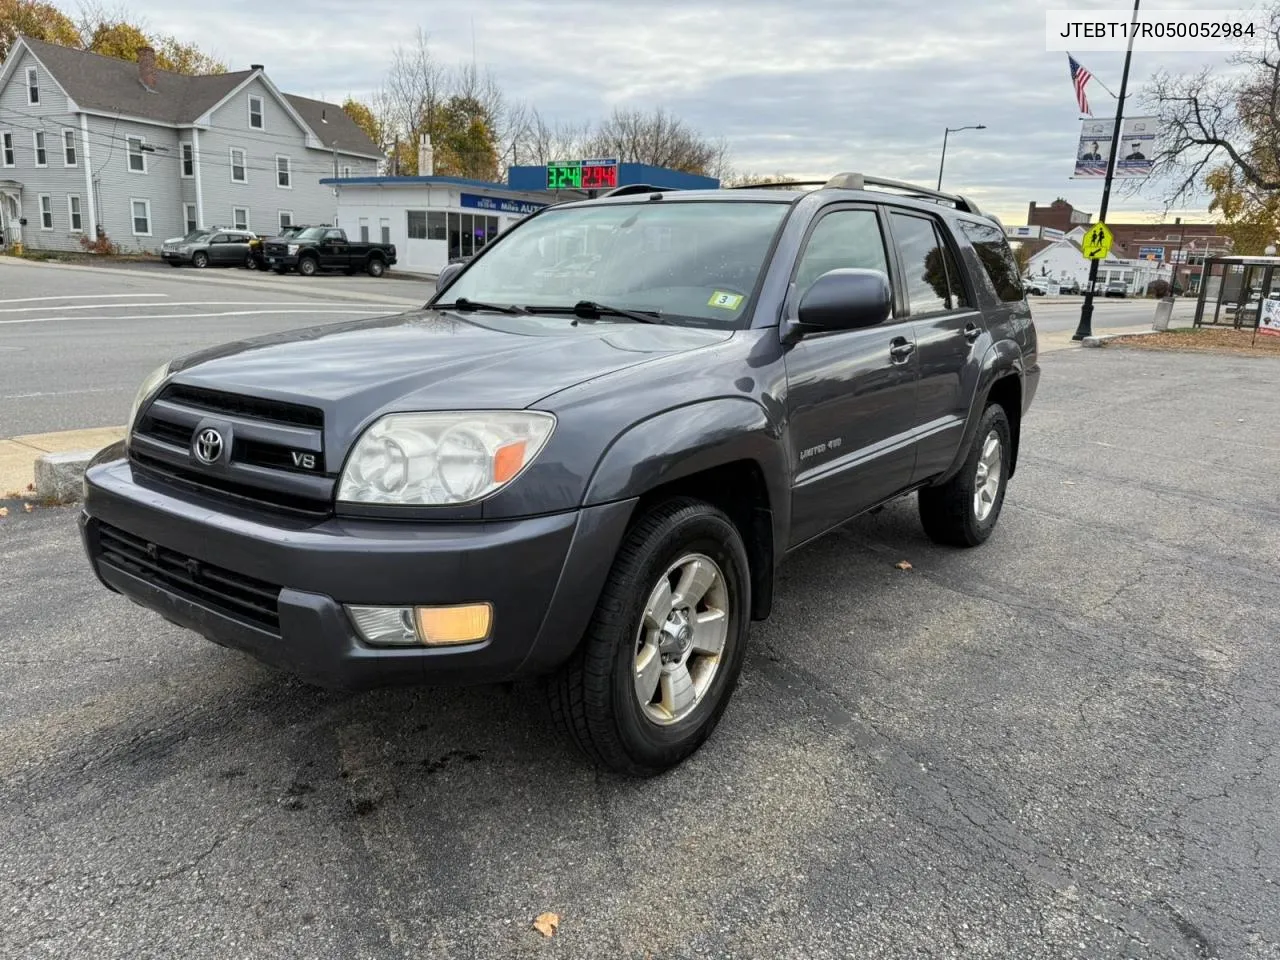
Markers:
<point>436,459</point>
<point>293,249</point>
<point>153,380</point>
<point>184,248</point>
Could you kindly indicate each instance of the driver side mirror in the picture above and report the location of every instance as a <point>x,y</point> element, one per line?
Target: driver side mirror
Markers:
<point>447,274</point>
<point>845,299</point>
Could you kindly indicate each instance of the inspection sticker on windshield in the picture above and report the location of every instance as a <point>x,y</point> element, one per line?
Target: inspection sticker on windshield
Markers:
<point>729,301</point>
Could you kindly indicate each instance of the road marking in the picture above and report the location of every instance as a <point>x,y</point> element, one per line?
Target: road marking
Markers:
<point>63,393</point>
<point>179,303</point>
<point>196,316</point>
<point>86,296</point>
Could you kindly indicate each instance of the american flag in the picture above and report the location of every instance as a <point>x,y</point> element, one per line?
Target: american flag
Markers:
<point>1079,77</point>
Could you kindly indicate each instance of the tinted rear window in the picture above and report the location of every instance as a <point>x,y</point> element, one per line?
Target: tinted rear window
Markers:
<point>997,259</point>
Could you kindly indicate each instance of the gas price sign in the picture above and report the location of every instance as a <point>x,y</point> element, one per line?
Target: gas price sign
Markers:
<point>582,175</point>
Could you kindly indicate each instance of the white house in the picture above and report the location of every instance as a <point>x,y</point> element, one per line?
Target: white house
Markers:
<point>91,144</point>
<point>1064,262</point>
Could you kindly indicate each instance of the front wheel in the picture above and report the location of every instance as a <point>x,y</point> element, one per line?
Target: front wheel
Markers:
<point>963,511</point>
<point>664,649</point>
<point>308,267</point>
<point>200,259</point>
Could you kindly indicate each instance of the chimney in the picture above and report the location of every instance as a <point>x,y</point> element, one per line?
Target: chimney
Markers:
<point>147,67</point>
<point>256,66</point>
<point>426,157</point>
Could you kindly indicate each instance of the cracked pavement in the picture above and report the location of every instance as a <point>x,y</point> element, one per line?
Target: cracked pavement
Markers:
<point>1062,744</point>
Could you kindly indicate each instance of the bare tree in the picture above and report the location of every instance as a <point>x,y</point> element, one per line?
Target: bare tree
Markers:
<point>657,138</point>
<point>541,142</point>
<point>1226,124</point>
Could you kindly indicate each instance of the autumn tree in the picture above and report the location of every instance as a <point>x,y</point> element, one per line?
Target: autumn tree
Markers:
<point>363,117</point>
<point>43,21</point>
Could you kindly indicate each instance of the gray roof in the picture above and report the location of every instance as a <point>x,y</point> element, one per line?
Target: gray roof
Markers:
<point>103,83</point>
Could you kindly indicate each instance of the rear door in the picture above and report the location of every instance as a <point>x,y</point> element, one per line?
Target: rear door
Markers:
<point>948,330</point>
<point>850,393</point>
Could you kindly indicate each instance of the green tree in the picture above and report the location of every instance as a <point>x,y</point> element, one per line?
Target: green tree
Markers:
<point>364,118</point>
<point>43,21</point>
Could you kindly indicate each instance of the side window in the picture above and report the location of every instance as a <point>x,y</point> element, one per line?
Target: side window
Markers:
<point>334,235</point>
<point>997,259</point>
<point>933,280</point>
<point>220,238</point>
<point>845,238</point>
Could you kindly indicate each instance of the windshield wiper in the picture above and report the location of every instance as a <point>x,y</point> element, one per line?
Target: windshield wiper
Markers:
<point>590,310</point>
<point>462,303</point>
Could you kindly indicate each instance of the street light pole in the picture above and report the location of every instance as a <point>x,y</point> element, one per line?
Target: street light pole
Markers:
<point>1085,329</point>
<point>946,133</point>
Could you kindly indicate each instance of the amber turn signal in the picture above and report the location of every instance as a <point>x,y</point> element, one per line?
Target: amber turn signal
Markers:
<point>440,626</point>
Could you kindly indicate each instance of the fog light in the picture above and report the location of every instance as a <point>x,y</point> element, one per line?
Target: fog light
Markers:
<point>464,624</point>
<point>429,626</point>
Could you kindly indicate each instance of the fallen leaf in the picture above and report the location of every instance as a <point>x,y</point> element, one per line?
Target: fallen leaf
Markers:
<point>903,565</point>
<point>4,511</point>
<point>1068,483</point>
<point>547,924</point>
<point>31,486</point>
<point>27,507</point>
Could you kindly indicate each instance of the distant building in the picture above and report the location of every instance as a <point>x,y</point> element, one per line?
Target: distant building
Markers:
<point>92,144</point>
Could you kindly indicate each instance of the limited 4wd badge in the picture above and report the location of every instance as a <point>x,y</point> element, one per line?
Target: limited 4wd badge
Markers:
<point>728,301</point>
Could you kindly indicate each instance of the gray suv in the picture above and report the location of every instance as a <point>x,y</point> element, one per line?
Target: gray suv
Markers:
<point>587,470</point>
<point>218,247</point>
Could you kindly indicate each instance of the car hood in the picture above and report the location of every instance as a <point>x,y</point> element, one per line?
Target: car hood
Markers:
<point>432,360</point>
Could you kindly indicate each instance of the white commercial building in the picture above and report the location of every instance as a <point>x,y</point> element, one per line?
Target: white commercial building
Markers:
<point>431,220</point>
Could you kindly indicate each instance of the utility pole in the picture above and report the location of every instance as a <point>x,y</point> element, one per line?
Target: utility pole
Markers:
<point>1085,329</point>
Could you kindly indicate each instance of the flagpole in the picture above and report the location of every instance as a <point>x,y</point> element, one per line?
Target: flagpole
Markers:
<point>1085,329</point>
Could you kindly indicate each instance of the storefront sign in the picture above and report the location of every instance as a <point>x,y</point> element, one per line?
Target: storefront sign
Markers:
<point>499,204</point>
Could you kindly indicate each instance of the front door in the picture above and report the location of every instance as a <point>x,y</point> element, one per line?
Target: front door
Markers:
<point>220,248</point>
<point>851,395</point>
<point>334,251</point>
<point>948,329</point>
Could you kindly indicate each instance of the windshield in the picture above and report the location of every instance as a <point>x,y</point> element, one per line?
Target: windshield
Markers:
<point>195,235</point>
<point>693,262</point>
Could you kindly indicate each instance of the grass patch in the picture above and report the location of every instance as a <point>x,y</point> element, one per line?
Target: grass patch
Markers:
<point>1205,340</point>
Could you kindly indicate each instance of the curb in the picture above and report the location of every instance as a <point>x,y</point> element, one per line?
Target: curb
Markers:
<point>60,476</point>
<point>1103,339</point>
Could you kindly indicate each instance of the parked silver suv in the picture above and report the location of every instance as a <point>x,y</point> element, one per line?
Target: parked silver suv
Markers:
<point>216,247</point>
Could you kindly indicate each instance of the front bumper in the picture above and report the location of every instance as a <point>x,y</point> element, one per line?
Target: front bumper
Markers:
<point>274,260</point>
<point>543,576</point>
<point>173,256</point>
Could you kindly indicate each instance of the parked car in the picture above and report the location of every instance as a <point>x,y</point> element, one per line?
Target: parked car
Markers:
<point>1036,286</point>
<point>218,247</point>
<point>1116,288</point>
<point>1069,287</point>
<point>257,259</point>
<point>508,484</point>
<point>327,248</point>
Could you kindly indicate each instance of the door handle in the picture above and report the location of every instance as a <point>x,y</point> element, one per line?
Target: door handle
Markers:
<point>972,331</point>
<point>901,348</point>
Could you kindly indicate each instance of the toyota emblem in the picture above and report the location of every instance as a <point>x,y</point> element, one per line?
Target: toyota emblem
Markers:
<point>208,445</point>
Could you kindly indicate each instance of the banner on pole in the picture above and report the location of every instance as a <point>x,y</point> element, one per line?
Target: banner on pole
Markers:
<point>1136,155</point>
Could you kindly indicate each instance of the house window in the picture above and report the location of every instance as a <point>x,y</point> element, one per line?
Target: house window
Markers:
<point>385,225</point>
<point>141,210</point>
<point>255,112</point>
<point>6,143</point>
<point>188,160</point>
<point>137,158</point>
<point>346,171</point>
<point>189,212</point>
<point>284,173</point>
<point>417,224</point>
<point>42,158</point>
<point>73,214</point>
<point>46,212</point>
<point>240,218</point>
<point>33,85</point>
<point>238,172</point>
<point>364,229</point>
<point>69,148</point>
<point>286,218</point>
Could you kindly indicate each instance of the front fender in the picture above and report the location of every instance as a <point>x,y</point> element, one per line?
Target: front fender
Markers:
<point>1003,357</point>
<point>690,439</point>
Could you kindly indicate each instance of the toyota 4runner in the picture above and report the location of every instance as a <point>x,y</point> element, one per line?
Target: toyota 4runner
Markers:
<point>590,473</point>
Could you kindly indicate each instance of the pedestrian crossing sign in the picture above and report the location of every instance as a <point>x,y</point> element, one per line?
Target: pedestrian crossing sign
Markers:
<point>1097,242</point>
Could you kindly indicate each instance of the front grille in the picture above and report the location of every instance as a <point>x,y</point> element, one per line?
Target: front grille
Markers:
<point>276,456</point>
<point>257,408</point>
<point>239,597</point>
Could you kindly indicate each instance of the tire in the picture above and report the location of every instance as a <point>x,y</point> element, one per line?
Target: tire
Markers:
<point>951,513</point>
<point>595,698</point>
<point>376,267</point>
<point>308,266</point>
<point>250,263</point>
<point>200,259</point>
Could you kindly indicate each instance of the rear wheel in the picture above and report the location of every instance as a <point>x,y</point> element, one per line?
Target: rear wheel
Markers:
<point>664,649</point>
<point>250,263</point>
<point>308,266</point>
<point>964,510</point>
<point>376,267</point>
<point>200,259</point>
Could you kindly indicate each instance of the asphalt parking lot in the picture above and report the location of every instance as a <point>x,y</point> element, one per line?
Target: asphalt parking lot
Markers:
<point>1062,744</point>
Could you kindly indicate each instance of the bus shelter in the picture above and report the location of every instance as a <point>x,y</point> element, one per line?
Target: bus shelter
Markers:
<point>1233,288</point>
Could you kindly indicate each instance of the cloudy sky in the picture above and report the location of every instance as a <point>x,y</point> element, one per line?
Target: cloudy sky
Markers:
<point>808,87</point>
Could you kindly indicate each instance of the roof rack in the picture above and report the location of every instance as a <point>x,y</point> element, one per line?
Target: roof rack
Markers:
<point>779,185</point>
<point>860,181</point>
<point>636,188</point>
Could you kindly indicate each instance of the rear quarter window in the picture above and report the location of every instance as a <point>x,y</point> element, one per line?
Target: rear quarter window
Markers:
<point>997,259</point>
